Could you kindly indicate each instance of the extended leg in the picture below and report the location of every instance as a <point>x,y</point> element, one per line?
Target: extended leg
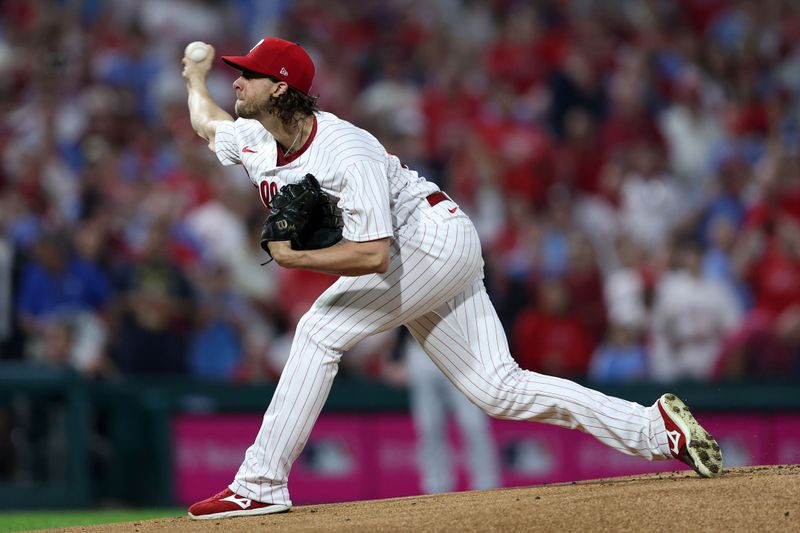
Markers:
<point>466,341</point>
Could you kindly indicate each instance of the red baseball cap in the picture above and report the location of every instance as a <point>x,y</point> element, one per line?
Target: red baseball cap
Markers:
<point>276,57</point>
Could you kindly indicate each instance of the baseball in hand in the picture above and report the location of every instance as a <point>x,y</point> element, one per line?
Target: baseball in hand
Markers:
<point>196,51</point>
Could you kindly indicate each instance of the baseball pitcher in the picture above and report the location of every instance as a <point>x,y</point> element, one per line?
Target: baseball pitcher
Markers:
<point>406,255</point>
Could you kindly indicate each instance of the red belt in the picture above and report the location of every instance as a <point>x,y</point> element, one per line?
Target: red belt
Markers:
<point>436,197</point>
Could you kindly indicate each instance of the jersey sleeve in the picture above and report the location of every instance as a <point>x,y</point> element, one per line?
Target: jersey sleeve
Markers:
<point>225,143</point>
<point>364,202</point>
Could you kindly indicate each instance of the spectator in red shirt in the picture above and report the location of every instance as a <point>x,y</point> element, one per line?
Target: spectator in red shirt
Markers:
<point>767,256</point>
<point>585,284</point>
<point>448,106</point>
<point>629,121</point>
<point>763,348</point>
<point>773,267</point>
<point>513,56</point>
<point>521,150</point>
<point>577,161</point>
<point>780,192</point>
<point>550,338</point>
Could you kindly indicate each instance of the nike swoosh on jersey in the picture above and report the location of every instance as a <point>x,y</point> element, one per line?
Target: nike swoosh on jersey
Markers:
<point>453,210</point>
<point>247,150</point>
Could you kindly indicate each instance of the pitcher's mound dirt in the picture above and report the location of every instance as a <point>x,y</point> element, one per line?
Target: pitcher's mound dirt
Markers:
<point>764,498</point>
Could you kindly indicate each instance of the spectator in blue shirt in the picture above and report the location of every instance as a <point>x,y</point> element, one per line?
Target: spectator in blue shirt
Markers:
<point>216,349</point>
<point>57,285</point>
<point>56,282</point>
<point>621,357</point>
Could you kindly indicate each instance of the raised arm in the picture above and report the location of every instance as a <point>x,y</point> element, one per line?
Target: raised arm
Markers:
<point>204,112</point>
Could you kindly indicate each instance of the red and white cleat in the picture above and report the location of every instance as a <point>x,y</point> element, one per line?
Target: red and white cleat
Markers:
<point>687,439</point>
<point>228,504</point>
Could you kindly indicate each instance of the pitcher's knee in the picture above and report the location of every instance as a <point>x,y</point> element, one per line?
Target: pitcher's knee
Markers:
<point>320,332</point>
<point>502,411</point>
<point>496,403</point>
<point>502,401</point>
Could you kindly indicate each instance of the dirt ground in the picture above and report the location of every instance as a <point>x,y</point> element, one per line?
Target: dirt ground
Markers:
<point>764,498</point>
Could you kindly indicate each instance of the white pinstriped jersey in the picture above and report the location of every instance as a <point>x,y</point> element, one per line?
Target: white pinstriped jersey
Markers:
<point>375,192</point>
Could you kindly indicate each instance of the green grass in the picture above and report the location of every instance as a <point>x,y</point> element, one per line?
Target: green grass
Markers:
<point>29,520</point>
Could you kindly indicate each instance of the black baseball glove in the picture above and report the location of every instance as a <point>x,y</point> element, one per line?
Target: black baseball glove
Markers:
<point>303,214</point>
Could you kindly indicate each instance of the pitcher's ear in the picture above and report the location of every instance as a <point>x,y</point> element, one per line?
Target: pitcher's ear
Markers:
<point>279,88</point>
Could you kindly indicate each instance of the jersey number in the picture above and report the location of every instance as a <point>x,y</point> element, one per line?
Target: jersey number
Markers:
<point>268,190</point>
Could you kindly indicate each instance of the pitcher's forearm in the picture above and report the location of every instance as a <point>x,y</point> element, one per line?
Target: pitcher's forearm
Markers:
<point>346,258</point>
<point>204,112</point>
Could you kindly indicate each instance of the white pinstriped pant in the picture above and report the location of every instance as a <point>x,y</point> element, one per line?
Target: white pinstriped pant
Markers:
<point>434,286</point>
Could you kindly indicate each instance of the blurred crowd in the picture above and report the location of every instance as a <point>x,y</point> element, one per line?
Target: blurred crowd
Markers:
<point>632,166</point>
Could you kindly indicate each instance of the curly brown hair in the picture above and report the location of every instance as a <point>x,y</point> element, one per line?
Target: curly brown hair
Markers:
<point>292,105</point>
